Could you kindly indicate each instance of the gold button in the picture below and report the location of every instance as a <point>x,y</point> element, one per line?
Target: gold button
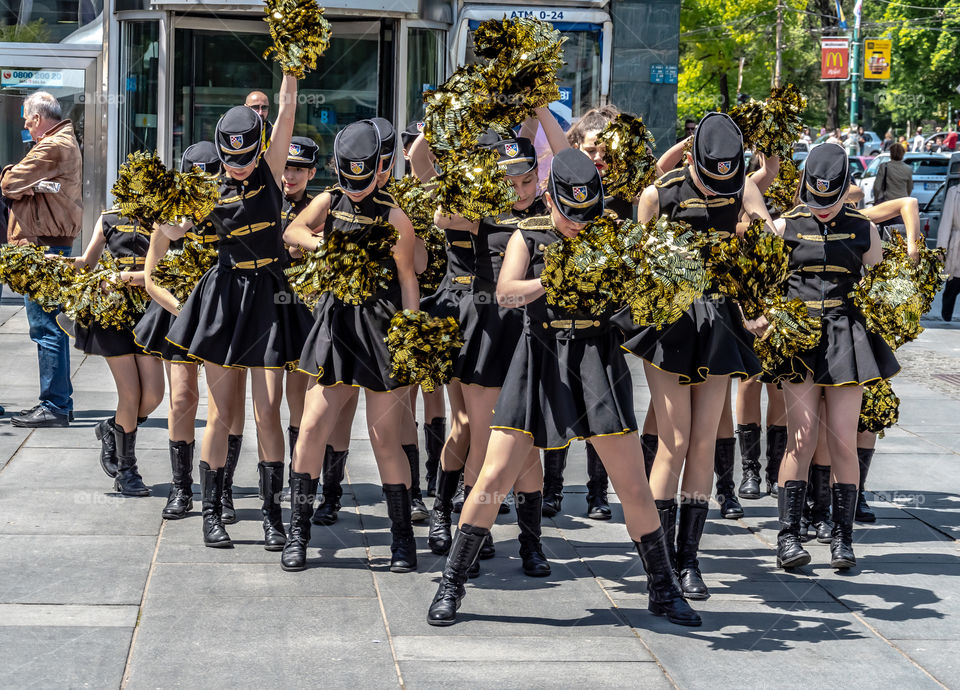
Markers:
<point>596,323</point>
<point>246,182</point>
<point>545,326</point>
<point>832,223</point>
<point>542,246</point>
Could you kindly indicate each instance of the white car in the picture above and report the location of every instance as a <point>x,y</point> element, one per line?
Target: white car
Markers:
<point>929,172</point>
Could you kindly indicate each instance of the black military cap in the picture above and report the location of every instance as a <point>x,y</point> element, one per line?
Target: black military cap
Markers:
<point>517,156</point>
<point>201,155</point>
<point>388,140</point>
<point>826,174</point>
<point>575,186</point>
<point>303,153</point>
<point>409,135</point>
<point>489,139</point>
<point>356,152</point>
<point>239,136</point>
<point>718,154</point>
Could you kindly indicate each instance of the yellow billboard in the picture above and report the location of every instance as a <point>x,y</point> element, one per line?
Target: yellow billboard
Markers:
<point>876,58</point>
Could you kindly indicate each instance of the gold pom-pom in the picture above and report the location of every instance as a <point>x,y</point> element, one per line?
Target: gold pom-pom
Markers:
<point>300,33</point>
<point>895,293</point>
<point>666,270</point>
<point>28,271</point>
<point>353,266</point>
<point>771,126</point>
<point>422,347</point>
<point>180,269</point>
<point>418,205</point>
<point>791,332</point>
<point>99,296</point>
<point>880,408</point>
<point>784,188</point>
<point>751,268</point>
<point>472,185</point>
<point>457,112</point>
<point>631,165</point>
<point>150,192</point>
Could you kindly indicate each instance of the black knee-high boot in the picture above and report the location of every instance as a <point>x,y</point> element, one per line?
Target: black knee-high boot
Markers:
<point>271,483</point>
<point>211,494</point>
<point>667,511</point>
<point>463,553</point>
<point>790,500</point>
<point>303,492</point>
<point>180,498</point>
<point>104,431</point>
<point>776,447</point>
<point>403,549</point>
<point>334,465</point>
<point>439,536</point>
<point>818,491</point>
<point>529,507</point>
<point>554,463</point>
<point>649,444</point>
<point>749,460</point>
<point>865,457</point>
<point>598,508</point>
<point>234,443</point>
<point>487,551</point>
<point>663,589</point>
<point>844,509</point>
<point>293,433</point>
<point>434,436</point>
<point>693,516</point>
<point>418,511</point>
<point>128,480</point>
<point>724,457</point>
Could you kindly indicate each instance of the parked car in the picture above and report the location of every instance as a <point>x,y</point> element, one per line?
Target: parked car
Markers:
<point>859,164</point>
<point>799,157</point>
<point>929,171</point>
<point>930,215</point>
<point>872,147</point>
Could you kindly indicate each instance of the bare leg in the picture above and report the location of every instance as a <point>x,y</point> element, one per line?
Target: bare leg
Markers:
<point>267,393</point>
<point>184,400</point>
<point>127,380</point>
<point>222,392</point>
<point>150,370</point>
<point>479,403</point>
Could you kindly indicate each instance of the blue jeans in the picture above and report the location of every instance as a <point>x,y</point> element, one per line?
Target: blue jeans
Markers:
<point>53,351</point>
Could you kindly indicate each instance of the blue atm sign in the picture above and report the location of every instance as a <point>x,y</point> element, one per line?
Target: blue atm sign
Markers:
<point>547,15</point>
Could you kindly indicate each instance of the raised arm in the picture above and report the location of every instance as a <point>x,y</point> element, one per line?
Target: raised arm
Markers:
<point>672,157</point>
<point>648,207</point>
<point>874,255</point>
<point>907,208</point>
<point>301,231</point>
<point>556,137</point>
<point>514,289</point>
<point>421,160</point>
<point>767,173</point>
<point>753,204</point>
<point>276,155</point>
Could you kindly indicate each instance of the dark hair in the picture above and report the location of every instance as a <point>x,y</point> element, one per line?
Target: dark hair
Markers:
<point>896,152</point>
<point>592,121</point>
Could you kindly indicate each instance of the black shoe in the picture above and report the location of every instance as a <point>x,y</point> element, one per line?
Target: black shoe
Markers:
<point>434,436</point>
<point>108,446</point>
<point>439,536</point>
<point>228,513</point>
<point>403,549</point>
<point>723,461</point>
<point>864,511</point>
<point>693,516</point>
<point>293,433</point>
<point>529,508</point>
<point>128,480</point>
<point>649,443</point>
<point>504,507</point>
<point>554,463</point>
<point>303,492</point>
<point>790,500</point>
<point>667,511</point>
<point>418,511</point>
<point>598,508</point>
<point>844,509</point>
<point>818,498</point>
<point>211,494</point>
<point>776,447</point>
<point>463,553</point>
<point>750,460</point>
<point>40,418</point>
<point>458,498</point>
<point>180,498</point>
<point>334,465</point>
<point>271,483</point>
<point>663,589</point>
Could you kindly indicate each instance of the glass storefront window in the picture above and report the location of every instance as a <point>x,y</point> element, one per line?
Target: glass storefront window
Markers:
<point>49,21</point>
<point>424,68</point>
<point>216,70</point>
<point>139,62</point>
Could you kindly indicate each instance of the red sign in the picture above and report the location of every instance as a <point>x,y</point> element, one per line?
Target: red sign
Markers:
<point>834,59</point>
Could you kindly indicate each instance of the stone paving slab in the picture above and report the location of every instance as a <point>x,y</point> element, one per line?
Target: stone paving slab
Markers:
<point>526,674</point>
<point>44,656</point>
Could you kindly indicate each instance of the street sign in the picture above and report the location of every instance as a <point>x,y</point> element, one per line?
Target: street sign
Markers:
<point>834,59</point>
<point>876,59</point>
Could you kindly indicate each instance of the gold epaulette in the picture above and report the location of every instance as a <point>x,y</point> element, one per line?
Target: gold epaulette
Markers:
<point>536,223</point>
<point>796,212</point>
<point>671,178</point>
<point>348,217</point>
<point>385,198</point>
<point>854,213</point>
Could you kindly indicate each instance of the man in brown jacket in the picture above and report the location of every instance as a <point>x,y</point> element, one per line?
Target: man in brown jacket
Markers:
<point>45,194</point>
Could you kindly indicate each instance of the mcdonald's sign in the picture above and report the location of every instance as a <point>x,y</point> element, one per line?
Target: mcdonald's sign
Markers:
<point>834,59</point>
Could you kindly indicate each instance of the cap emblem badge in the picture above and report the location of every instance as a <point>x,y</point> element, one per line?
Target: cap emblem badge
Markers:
<point>822,185</point>
<point>723,167</point>
<point>236,140</point>
<point>356,167</point>
<point>579,193</point>
<point>420,126</point>
<point>511,149</point>
<point>295,149</point>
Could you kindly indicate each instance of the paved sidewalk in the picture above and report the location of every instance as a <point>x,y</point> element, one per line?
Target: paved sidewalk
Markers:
<point>97,591</point>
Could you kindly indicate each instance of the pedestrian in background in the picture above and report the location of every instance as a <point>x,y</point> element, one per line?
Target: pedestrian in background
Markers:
<point>948,236</point>
<point>48,215</point>
<point>894,181</point>
<point>918,140</point>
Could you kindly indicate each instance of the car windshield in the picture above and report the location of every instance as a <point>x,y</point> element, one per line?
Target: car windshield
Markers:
<point>874,165</point>
<point>936,201</point>
<point>928,166</point>
<point>855,165</point>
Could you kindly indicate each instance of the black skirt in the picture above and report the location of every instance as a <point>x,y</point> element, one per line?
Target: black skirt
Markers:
<point>346,344</point>
<point>559,390</point>
<point>151,331</point>
<point>847,354</point>
<point>708,340</point>
<point>105,342</point>
<point>446,300</point>
<point>242,318</point>
<point>490,335</point>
